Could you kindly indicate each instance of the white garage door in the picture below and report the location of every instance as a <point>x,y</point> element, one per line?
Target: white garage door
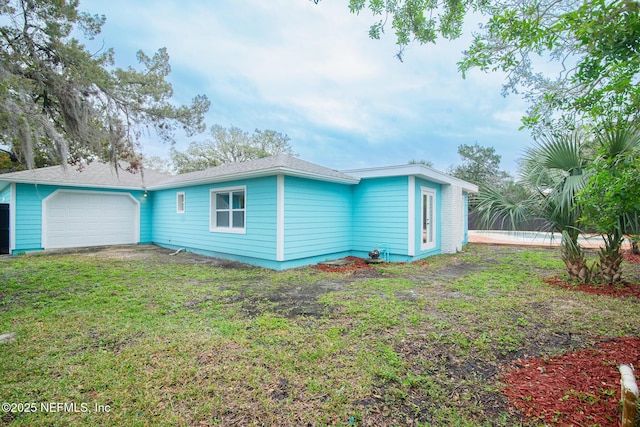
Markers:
<point>78,218</point>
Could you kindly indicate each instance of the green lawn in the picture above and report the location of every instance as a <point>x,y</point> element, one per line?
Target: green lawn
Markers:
<point>138,337</point>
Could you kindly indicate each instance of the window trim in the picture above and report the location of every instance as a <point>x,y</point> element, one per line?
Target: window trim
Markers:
<point>213,227</point>
<point>181,209</point>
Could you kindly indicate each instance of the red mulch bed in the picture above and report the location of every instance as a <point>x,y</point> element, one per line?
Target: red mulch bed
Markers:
<point>631,257</point>
<point>623,289</point>
<point>576,389</point>
<point>356,264</point>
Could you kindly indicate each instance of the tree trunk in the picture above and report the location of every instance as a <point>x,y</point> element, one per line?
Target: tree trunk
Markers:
<point>611,260</point>
<point>575,262</point>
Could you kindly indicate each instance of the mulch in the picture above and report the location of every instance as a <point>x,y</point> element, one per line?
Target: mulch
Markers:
<point>631,257</point>
<point>355,263</point>
<point>580,388</point>
<point>619,290</point>
<point>576,389</point>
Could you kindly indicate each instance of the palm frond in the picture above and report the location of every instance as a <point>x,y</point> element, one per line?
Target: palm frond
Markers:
<point>494,209</point>
<point>617,140</point>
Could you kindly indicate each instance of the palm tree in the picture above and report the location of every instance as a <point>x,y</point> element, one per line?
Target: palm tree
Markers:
<point>554,171</point>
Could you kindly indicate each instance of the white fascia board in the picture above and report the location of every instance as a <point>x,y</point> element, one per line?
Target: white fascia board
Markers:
<point>254,174</point>
<point>420,171</point>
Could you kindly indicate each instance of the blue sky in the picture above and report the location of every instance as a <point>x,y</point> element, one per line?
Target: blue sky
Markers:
<point>311,72</point>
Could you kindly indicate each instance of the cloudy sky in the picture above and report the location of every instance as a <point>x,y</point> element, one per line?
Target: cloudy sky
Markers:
<point>311,72</point>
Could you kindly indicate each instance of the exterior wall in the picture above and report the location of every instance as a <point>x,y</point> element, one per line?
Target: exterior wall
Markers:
<point>191,230</point>
<point>452,219</point>
<point>289,221</point>
<point>465,214</point>
<point>440,213</point>
<point>380,216</point>
<point>317,219</point>
<point>28,214</point>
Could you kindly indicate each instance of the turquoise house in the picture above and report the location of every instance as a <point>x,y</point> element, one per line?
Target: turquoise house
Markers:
<point>278,212</point>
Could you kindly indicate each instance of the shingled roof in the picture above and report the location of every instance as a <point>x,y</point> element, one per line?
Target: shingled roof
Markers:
<point>280,164</point>
<point>95,174</point>
<point>102,175</point>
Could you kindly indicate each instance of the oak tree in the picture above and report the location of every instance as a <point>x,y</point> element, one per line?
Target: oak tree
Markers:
<point>58,98</point>
<point>229,145</point>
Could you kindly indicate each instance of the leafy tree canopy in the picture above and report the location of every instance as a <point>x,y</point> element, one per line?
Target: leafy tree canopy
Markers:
<point>59,99</point>
<point>480,165</point>
<point>229,146</point>
<point>594,43</point>
<point>610,202</point>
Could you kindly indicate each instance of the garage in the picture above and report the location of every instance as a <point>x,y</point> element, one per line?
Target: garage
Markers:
<point>89,218</point>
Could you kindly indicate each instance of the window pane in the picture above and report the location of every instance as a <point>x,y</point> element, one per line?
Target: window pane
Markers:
<point>222,219</point>
<point>180,202</point>
<point>238,219</point>
<point>238,200</point>
<point>424,218</point>
<point>222,201</point>
<point>430,219</point>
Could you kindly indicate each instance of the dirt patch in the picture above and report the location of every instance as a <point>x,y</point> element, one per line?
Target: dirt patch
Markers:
<point>149,253</point>
<point>578,388</point>
<point>451,272</point>
<point>288,300</point>
<point>350,263</point>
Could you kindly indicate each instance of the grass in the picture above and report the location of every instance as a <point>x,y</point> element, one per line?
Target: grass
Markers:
<point>153,339</point>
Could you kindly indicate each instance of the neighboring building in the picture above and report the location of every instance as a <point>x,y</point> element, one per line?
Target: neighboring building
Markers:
<point>277,212</point>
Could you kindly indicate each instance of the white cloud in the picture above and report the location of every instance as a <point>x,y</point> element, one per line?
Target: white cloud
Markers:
<point>312,72</point>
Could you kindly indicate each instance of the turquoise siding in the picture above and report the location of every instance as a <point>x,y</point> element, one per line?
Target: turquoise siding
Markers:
<point>419,253</point>
<point>146,215</point>
<point>322,220</point>
<point>380,216</point>
<point>190,230</point>
<point>317,218</point>
<point>28,217</point>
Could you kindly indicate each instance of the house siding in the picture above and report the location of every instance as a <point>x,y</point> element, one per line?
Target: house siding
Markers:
<point>292,217</point>
<point>317,218</point>
<point>190,230</point>
<point>380,216</point>
<point>28,214</point>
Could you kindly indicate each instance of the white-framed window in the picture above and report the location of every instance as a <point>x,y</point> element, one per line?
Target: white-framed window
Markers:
<point>180,202</point>
<point>228,212</point>
<point>428,224</point>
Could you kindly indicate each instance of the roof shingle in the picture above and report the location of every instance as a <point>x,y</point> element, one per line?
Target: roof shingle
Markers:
<point>98,174</point>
